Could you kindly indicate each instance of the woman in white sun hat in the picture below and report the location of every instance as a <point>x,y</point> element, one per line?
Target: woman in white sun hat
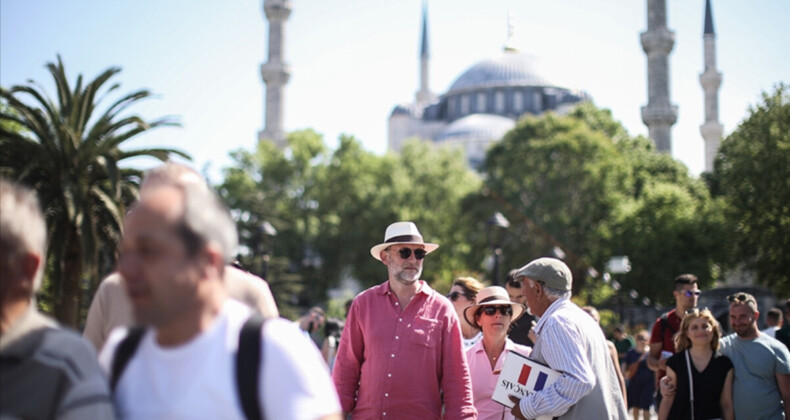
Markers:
<point>493,313</point>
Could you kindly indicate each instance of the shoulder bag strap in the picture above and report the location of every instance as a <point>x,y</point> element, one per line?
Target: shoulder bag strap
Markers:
<point>248,362</point>
<point>123,354</point>
<point>691,384</point>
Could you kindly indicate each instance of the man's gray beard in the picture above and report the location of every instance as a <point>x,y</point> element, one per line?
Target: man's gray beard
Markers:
<point>408,280</point>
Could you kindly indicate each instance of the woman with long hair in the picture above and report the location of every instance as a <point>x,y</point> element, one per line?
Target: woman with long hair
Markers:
<point>463,293</point>
<point>701,376</point>
<point>493,314</point>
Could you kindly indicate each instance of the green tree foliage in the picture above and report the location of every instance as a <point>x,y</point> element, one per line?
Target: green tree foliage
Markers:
<point>752,175</point>
<point>329,209</point>
<point>581,184</point>
<point>69,151</point>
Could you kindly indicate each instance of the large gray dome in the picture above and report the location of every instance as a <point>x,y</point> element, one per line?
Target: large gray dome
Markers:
<point>508,69</point>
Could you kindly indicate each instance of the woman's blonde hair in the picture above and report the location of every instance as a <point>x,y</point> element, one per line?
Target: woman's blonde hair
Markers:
<point>682,341</point>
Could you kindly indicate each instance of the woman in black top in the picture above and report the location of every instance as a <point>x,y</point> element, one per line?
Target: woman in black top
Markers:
<point>697,344</point>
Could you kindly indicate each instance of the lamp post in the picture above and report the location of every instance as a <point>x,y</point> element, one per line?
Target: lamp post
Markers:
<point>263,242</point>
<point>496,226</point>
<point>618,265</point>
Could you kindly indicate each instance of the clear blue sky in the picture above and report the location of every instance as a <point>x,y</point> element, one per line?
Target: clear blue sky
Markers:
<point>353,60</point>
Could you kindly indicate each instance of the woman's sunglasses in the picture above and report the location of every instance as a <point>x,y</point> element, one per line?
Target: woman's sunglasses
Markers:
<point>405,253</point>
<point>491,310</point>
<point>455,295</point>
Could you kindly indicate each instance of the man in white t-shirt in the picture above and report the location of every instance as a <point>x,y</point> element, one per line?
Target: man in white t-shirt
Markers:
<point>176,243</point>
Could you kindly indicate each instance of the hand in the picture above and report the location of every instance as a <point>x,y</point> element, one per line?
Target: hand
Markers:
<point>516,411</point>
<point>667,387</point>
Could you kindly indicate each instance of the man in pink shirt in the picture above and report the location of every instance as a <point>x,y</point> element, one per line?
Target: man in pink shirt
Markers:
<point>400,355</point>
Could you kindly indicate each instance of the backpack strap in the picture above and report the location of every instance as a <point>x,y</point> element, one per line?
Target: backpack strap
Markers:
<point>123,354</point>
<point>248,362</point>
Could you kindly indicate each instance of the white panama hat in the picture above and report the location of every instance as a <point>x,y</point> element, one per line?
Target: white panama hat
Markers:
<point>400,233</point>
<point>496,296</point>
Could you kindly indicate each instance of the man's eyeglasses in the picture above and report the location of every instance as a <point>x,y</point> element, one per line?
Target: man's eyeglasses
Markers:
<point>690,293</point>
<point>454,295</point>
<point>405,253</point>
<point>504,310</point>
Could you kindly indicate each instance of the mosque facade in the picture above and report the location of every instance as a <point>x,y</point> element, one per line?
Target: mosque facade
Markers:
<point>480,106</point>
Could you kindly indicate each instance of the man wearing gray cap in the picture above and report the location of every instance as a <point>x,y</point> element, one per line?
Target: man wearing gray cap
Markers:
<point>570,342</point>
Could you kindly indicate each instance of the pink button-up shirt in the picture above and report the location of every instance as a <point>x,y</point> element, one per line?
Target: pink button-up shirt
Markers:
<point>484,379</point>
<point>394,364</point>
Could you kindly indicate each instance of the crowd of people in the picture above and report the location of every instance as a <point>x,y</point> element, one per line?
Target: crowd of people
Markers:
<point>178,332</point>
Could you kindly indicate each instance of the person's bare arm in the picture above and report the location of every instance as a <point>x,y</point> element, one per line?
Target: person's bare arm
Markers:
<point>783,381</point>
<point>654,360</point>
<point>666,402</point>
<point>727,410</point>
<point>616,362</point>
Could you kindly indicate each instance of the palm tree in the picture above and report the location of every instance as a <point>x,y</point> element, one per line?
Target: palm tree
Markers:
<point>69,151</point>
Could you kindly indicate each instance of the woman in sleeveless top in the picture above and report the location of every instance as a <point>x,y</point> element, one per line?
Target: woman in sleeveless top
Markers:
<point>702,378</point>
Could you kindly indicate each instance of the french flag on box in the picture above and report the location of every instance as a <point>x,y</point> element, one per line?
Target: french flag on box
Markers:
<point>521,376</point>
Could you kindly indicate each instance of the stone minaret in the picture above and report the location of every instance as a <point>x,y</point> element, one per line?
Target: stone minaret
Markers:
<point>710,80</point>
<point>659,115</point>
<point>275,72</point>
<point>424,95</point>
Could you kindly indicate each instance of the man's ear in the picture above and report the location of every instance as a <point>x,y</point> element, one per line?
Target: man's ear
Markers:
<point>212,258</point>
<point>385,257</point>
<point>29,263</point>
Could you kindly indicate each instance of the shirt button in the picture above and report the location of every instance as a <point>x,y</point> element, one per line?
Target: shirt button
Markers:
<point>389,375</point>
<point>400,319</point>
<point>397,303</point>
<point>396,337</point>
<point>386,394</point>
<point>393,354</point>
<point>385,413</point>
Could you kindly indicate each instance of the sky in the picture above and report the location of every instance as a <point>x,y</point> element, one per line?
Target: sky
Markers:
<point>352,61</point>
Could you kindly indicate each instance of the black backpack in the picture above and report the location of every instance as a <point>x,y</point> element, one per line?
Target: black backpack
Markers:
<point>248,362</point>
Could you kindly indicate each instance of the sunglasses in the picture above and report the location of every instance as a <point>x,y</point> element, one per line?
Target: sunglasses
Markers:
<point>690,293</point>
<point>491,310</point>
<point>696,310</point>
<point>740,297</point>
<point>405,253</point>
<point>455,295</point>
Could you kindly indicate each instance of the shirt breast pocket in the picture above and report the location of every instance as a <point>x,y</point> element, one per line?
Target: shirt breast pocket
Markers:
<point>425,332</point>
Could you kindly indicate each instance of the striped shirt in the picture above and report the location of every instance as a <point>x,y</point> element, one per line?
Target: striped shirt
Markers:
<point>571,342</point>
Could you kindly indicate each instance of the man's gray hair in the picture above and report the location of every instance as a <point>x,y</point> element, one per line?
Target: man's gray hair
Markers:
<point>551,293</point>
<point>22,226</point>
<point>206,219</point>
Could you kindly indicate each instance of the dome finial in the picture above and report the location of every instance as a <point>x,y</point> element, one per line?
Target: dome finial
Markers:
<point>511,29</point>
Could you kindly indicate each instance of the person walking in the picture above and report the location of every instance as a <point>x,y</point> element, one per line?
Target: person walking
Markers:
<point>572,343</point>
<point>641,381</point>
<point>400,354</point>
<point>493,314</point>
<point>199,354</point>
<point>702,378</point>
<point>46,371</point>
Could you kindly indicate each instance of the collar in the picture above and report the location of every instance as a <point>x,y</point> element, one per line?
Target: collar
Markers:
<point>554,307</point>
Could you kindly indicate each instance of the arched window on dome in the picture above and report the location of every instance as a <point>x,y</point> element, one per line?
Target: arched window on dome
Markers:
<point>465,104</point>
<point>499,102</point>
<point>480,106</point>
<point>538,102</point>
<point>518,101</point>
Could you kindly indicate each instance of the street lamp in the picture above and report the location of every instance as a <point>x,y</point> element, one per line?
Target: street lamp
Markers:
<point>618,265</point>
<point>496,226</point>
<point>263,242</point>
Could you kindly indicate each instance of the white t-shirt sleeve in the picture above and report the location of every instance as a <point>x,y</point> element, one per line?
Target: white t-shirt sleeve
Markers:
<point>108,350</point>
<point>295,381</point>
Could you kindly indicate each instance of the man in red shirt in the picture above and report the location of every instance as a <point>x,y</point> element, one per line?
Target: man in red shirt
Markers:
<point>662,344</point>
<point>400,354</point>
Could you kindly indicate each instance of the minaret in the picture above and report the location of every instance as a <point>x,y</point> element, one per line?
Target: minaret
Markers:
<point>275,72</point>
<point>710,80</point>
<point>659,115</point>
<point>424,95</point>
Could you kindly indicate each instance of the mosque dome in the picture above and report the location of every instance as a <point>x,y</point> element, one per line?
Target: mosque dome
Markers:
<point>508,69</point>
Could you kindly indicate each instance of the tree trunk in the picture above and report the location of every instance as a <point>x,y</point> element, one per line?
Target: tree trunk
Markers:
<point>68,305</point>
